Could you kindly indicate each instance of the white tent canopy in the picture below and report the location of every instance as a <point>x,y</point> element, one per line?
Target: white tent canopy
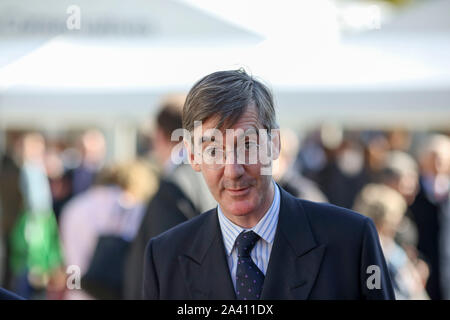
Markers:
<point>382,77</point>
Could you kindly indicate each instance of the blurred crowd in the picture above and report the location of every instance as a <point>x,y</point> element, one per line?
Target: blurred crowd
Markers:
<point>62,204</point>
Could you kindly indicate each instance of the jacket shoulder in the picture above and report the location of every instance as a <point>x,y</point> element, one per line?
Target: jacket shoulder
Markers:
<point>333,222</point>
<point>181,235</point>
<point>326,210</point>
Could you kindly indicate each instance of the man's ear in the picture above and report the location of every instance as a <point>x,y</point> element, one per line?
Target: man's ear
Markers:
<point>276,143</point>
<point>191,156</point>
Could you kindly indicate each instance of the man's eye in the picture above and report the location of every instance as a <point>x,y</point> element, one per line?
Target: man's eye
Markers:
<point>211,152</point>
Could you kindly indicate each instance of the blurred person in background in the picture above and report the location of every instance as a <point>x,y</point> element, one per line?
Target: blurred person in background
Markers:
<point>10,201</point>
<point>287,174</point>
<point>386,208</point>
<point>182,192</point>
<point>401,173</point>
<point>430,212</point>
<point>445,252</point>
<point>93,150</point>
<point>98,225</point>
<point>376,148</point>
<point>344,173</point>
<point>311,157</point>
<point>166,151</point>
<point>59,178</point>
<point>2,247</point>
<point>399,139</point>
<point>35,248</point>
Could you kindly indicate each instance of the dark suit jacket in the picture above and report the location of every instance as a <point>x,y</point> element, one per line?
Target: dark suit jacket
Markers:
<point>320,251</point>
<point>8,295</point>
<point>427,217</point>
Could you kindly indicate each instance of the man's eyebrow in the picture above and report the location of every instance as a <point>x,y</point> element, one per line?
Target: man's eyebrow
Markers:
<point>207,139</point>
<point>250,130</point>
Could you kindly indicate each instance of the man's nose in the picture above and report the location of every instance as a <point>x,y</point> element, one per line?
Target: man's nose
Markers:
<point>233,170</point>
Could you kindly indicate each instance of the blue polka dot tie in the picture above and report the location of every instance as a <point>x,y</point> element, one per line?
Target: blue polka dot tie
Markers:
<point>249,279</point>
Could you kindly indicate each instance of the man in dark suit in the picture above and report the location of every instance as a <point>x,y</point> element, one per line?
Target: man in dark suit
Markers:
<point>259,242</point>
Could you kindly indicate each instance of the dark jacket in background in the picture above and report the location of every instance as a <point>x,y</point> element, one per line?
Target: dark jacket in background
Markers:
<point>168,208</point>
<point>11,202</point>
<point>426,216</point>
<point>339,188</point>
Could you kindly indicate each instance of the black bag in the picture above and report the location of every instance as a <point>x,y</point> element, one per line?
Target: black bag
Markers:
<point>104,278</point>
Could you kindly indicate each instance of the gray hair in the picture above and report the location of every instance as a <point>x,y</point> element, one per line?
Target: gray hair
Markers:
<point>227,94</point>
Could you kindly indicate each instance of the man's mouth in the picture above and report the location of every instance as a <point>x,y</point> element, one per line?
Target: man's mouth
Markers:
<point>238,191</point>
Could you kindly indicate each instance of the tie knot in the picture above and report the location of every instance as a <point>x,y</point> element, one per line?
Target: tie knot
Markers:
<point>245,242</point>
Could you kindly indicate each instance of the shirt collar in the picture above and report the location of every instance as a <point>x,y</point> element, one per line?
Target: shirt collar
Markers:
<point>265,228</point>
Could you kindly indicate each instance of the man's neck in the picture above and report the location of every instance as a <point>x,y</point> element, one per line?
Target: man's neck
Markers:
<point>250,220</point>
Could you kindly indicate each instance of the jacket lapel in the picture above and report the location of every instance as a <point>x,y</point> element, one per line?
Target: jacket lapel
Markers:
<point>296,256</point>
<point>204,266</point>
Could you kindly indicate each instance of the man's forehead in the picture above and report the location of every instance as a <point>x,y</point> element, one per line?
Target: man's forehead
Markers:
<point>247,124</point>
<point>250,114</point>
<point>209,135</point>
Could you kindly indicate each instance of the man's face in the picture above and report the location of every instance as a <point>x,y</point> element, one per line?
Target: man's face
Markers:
<point>240,189</point>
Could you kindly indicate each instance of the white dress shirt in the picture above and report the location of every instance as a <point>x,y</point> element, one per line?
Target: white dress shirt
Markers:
<point>265,228</point>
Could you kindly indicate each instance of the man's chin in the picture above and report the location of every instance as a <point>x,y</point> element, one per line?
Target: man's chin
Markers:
<point>240,208</point>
